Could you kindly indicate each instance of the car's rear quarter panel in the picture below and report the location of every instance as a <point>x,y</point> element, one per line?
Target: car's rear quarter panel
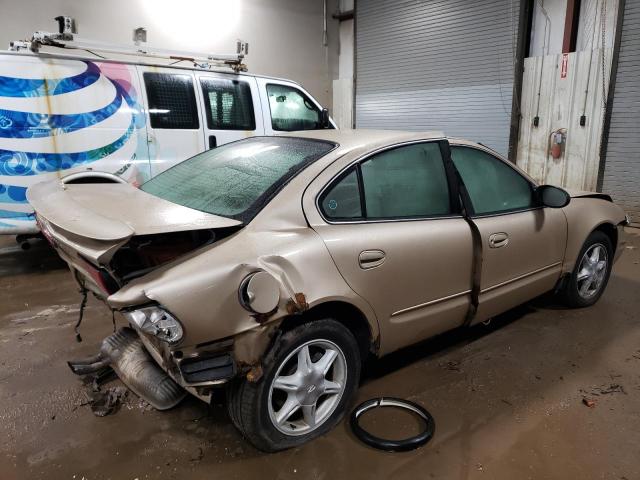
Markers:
<point>202,288</point>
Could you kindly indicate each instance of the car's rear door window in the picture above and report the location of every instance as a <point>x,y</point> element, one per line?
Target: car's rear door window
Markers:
<point>342,200</point>
<point>493,186</point>
<point>228,104</point>
<point>402,183</point>
<point>172,101</point>
<point>408,181</point>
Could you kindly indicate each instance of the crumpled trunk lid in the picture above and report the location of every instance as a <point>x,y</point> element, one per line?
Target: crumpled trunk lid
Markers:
<point>89,223</point>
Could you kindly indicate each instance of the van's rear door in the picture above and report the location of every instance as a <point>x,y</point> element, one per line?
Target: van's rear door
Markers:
<point>231,107</point>
<point>174,119</point>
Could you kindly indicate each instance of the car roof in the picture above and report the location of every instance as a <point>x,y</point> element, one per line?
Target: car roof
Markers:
<point>348,139</point>
<point>356,142</point>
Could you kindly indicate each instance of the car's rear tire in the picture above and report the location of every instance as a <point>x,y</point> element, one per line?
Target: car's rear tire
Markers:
<point>312,371</point>
<point>591,273</point>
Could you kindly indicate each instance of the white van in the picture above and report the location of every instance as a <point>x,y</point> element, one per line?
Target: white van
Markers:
<point>102,121</point>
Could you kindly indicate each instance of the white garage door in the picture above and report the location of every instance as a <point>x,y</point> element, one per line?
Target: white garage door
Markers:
<point>442,65</point>
<point>622,160</point>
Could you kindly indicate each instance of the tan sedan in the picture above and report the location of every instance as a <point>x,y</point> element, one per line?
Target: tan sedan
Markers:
<point>275,265</point>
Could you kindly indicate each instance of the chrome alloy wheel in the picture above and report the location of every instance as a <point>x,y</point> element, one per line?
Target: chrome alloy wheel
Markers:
<point>307,387</point>
<point>592,271</point>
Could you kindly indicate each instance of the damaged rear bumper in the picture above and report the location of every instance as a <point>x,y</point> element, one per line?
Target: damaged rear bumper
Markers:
<point>124,352</point>
<point>153,373</point>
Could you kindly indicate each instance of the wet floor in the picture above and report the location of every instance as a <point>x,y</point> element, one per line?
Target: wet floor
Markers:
<point>507,399</point>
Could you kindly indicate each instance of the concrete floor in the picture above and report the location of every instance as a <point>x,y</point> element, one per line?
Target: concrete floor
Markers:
<point>507,399</point>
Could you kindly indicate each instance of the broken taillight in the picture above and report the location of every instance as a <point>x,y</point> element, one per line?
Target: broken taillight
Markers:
<point>101,278</point>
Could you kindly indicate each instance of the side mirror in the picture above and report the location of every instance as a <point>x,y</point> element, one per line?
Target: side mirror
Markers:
<point>324,118</point>
<point>553,197</point>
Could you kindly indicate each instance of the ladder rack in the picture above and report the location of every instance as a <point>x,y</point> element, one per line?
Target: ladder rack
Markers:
<point>66,40</point>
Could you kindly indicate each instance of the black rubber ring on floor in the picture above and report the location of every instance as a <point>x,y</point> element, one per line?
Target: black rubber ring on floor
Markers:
<point>392,445</point>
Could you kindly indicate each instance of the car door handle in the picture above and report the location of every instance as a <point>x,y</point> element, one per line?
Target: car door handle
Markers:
<point>498,240</point>
<point>371,258</point>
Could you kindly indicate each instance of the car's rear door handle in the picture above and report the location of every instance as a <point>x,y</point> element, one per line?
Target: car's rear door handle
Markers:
<point>371,258</point>
<point>498,240</point>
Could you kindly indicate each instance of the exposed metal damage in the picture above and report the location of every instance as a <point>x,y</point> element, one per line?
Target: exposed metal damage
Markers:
<point>126,354</point>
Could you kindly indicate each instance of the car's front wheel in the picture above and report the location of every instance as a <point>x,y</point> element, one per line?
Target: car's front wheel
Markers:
<point>591,273</point>
<point>309,378</point>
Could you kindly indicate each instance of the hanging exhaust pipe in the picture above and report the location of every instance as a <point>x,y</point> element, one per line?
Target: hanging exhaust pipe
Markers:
<point>126,354</point>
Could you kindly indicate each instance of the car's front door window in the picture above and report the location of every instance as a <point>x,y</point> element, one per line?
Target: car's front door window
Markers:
<point>493,186</point>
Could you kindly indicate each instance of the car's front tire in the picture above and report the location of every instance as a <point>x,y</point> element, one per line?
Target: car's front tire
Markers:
<point>591,273</point>
<point>309,378</point>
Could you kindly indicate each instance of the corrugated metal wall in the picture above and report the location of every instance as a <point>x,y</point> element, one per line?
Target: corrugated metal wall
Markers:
<point>437,65</point>
<point>622,159</point>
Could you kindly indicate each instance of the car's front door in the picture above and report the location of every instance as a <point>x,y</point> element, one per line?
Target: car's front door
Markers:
<point>523,243</point>
<point>397,237</point>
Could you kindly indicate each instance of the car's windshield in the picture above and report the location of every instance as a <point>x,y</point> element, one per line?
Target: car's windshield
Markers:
<point>238,179</point>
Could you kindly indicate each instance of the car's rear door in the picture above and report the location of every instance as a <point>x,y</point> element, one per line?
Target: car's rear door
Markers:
<point>175,123</point>
<point>231,106</point>
<point>396,235</point>
<point>523,243</point>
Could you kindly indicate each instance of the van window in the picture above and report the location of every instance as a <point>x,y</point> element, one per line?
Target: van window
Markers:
<point>228,103</point>
<point>172,101</point>
<point>291,109</point>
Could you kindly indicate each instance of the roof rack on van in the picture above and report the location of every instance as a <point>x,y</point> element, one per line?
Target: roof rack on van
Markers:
<point>65,39</point>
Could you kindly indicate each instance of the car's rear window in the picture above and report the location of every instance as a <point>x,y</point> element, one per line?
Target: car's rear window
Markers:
<point>236,180</point>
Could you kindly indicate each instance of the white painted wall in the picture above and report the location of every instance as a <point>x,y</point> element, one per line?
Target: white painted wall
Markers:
<point>549,41</point>
<point>547,30</point>
<point>590,28</point>
<point>343,85</point>
<point>285,36</point>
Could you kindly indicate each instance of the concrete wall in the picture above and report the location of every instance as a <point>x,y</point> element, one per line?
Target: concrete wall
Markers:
<point>285,36</point>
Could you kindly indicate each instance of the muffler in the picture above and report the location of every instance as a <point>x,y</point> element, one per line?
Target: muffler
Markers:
<point>126,354</point>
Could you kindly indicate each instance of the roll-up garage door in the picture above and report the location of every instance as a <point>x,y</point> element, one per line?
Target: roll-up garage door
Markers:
<point>622,159</point>
<point>443,65</point>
